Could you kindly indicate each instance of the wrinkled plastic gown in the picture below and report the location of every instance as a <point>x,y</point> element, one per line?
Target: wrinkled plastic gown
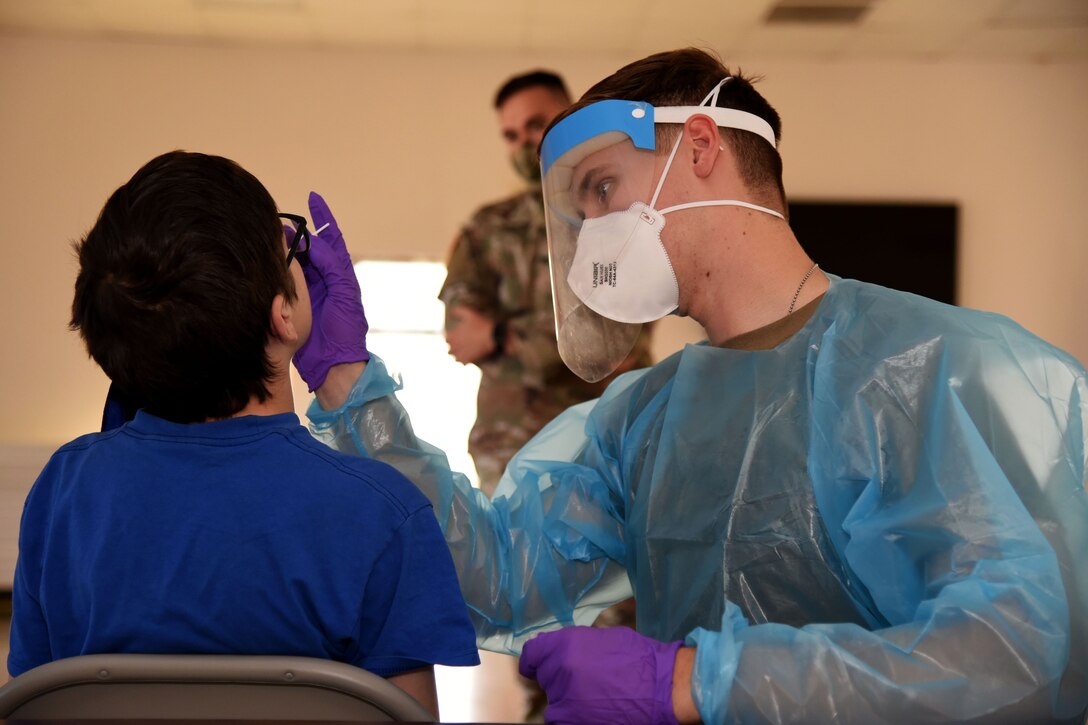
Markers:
<point>884,519</point>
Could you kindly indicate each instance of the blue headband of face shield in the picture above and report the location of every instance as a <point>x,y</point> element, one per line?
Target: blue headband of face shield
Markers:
<point>635,120</point>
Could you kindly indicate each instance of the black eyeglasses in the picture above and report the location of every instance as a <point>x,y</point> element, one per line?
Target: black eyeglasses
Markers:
<point>300,242</point>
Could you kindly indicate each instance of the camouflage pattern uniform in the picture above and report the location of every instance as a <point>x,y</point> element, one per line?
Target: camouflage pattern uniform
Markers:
<point>499,267</point>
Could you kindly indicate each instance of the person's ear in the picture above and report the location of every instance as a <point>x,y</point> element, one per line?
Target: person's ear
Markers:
<point>706,143</point>
<point>282,320</point>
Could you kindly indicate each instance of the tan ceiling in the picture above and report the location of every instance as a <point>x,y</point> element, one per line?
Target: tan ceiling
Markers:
<point>1020,30</point>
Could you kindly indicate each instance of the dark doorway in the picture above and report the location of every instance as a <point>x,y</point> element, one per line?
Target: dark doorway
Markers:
<point>909,247</point>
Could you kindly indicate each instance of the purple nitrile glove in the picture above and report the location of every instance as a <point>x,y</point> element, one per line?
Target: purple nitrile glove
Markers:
<point>602,675</point>
<point>339,323</point>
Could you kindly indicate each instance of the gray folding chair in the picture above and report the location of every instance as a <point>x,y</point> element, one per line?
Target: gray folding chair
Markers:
<point>205,687</point>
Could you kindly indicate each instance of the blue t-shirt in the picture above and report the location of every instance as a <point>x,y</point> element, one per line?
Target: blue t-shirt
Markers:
<point>241,536</point>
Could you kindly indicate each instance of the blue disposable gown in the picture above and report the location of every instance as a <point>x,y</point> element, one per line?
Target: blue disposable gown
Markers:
<point>883,519</point>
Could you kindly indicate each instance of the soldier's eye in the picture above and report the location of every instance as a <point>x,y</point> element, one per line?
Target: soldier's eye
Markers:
<point>604,189</point>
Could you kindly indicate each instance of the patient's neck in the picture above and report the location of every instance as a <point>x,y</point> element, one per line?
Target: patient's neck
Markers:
<point>280,399</point>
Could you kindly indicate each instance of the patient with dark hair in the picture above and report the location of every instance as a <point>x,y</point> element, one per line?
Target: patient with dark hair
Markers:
<point>212,522</point>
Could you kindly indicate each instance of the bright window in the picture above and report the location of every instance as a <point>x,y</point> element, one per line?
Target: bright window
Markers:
<point>406,320</point>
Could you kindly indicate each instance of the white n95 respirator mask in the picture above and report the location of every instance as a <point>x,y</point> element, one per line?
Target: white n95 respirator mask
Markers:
<point>620,268</point>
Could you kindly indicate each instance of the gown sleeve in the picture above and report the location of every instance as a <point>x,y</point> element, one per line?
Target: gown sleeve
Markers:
<point>544,552</point>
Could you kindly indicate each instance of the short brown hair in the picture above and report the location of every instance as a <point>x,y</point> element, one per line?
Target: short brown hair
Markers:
<point>533,79</point>
<point>683,78</point>
<point>175,287</point>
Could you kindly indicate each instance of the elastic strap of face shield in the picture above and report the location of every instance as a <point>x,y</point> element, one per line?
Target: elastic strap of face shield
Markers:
<point>712,97</point>
<point>711,100</point>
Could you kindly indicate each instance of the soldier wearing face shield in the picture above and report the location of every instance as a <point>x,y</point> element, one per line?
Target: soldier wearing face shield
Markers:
<point>849,504</point>
<point>498,294</point>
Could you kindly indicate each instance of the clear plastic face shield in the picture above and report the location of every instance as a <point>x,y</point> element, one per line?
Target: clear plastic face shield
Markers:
<point>602,176</point>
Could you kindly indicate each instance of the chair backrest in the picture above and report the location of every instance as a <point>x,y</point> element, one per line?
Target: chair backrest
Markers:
<point>205,687</point>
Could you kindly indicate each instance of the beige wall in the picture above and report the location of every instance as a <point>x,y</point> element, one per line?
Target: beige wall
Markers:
<point>403,146</point>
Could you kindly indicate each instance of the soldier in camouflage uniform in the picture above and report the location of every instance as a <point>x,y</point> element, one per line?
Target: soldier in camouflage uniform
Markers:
<point>499,300</point>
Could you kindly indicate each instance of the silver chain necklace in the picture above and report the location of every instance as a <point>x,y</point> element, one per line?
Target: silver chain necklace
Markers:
<point>798,292</point>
